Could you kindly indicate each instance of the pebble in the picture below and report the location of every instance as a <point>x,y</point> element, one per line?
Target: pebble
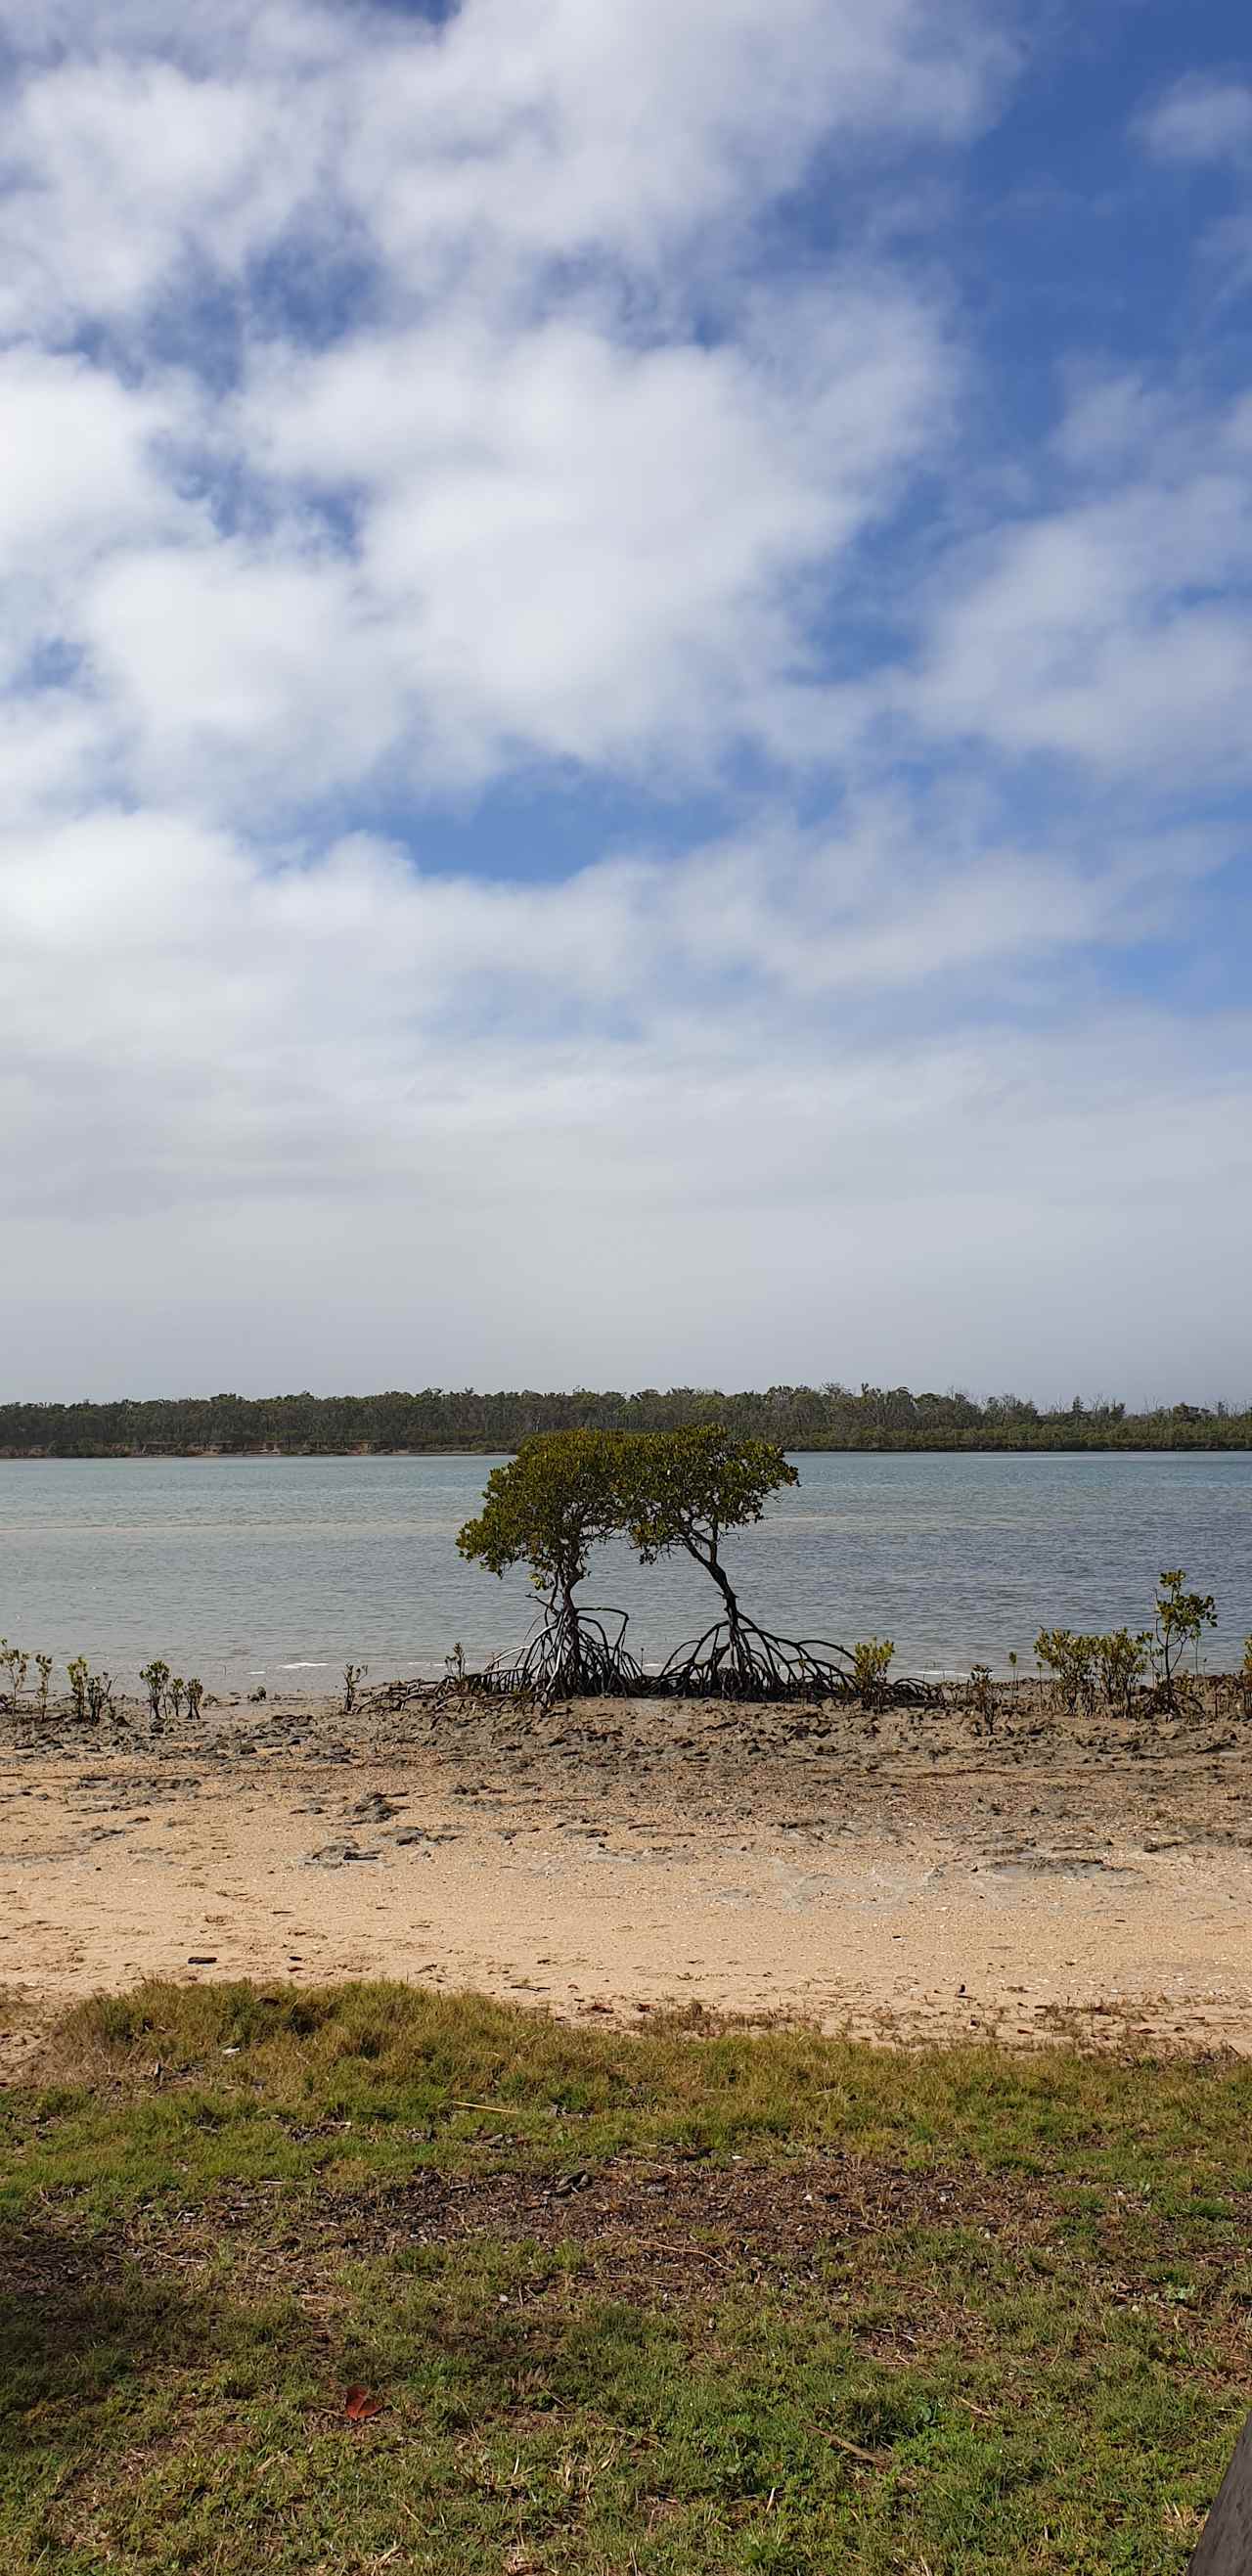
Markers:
<point>333,1856</point>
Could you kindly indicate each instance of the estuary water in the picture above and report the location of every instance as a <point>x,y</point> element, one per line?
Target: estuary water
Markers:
<point>280,1570</point>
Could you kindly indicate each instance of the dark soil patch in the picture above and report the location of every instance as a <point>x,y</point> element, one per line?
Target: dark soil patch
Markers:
<point>673,2230</point>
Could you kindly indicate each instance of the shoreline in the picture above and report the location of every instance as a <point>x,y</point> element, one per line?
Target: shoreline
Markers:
<point>485,1449</point>
<point>905,1879</point>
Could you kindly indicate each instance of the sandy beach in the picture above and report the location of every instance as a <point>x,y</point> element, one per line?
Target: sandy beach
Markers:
<point>900,1877</point>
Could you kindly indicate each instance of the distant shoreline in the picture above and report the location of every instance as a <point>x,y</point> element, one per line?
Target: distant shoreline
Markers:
<point>148,1457</point>
<point>468,1422</point>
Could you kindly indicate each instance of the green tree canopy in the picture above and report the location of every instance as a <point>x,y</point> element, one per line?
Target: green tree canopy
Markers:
<point>555,1501</point>
<point>685,1489</point>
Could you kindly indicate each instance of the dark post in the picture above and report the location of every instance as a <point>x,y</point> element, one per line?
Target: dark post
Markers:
<point>1226,2541</point>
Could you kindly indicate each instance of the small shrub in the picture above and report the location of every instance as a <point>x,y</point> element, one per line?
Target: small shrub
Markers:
<point>871,1662</point>
<point>1070,1657</point>
<point>1180,1620</point>
<point>195,1695</point>
<point>98,1693</point>
<point>353,1676</point>
<point>15,1665</point>
<point>174,1696</point>
<point>43,1666</point>
<point>980,1696</point>
<point>1121,1661</point>
<point>78,1678</point>
<point>155,1678</point>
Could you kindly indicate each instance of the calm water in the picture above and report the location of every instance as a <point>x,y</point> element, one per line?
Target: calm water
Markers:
<point>283,1568</point>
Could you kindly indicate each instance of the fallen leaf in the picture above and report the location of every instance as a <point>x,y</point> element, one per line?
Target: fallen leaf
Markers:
<point>358,2405</point>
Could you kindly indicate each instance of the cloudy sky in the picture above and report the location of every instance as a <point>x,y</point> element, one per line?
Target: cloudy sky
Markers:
<point>627,694</point>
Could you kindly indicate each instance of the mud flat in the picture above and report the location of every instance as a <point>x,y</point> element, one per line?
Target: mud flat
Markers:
<point>906,1877</point>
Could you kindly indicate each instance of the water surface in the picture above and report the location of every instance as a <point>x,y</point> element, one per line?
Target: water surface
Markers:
<point>281,1569</point>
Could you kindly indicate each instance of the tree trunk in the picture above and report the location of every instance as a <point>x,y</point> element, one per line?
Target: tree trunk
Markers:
<point>573,1635</point>
<point>713,1565</point>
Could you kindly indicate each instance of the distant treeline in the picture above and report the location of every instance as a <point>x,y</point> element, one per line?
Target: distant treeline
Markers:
<point>797,1417</point>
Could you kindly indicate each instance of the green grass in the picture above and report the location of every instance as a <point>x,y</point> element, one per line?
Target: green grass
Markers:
<point>815,2307</point>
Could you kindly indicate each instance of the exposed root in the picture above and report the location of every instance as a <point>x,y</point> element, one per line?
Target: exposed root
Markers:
<point>580,1658</point>
<point>583,1659</point>
<point>572,1656</point>
<point>567,1657</point>
<point>391,1697</point>
<point>742,1661</point>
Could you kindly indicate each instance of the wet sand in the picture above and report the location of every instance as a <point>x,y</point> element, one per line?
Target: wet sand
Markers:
<point>904,1878</point>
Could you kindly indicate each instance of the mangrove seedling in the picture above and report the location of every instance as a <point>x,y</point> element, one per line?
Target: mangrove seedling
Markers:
<point>871,1663</point>
<point>1179,1622</point>
<point>98,1693</point>
<point>43,1666</point>
<point>353,1676</point>
<point>78,1679</point>
<point>1121,1661</point>
<point>980,1696</point>
<point>195,1694</point>
<point>155,1678</point>
<point>16,1666</point>
<point>1070,1657</point>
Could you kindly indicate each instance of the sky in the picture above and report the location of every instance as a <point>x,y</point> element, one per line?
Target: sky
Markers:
<point>626,693</point>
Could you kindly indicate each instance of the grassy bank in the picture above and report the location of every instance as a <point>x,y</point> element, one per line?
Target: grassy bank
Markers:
<point>676,2301</point>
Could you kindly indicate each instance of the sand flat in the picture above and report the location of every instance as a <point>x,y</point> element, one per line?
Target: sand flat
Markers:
<point>905,1879</point>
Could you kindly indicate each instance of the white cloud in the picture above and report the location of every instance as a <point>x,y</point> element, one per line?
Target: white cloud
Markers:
<point>581,528</point>
<point>72,455</point>
<point>351,1017</point>
<point>391,413</point>
<point>127,164</point>
<point>80,477</point>
<point>343,1084</point>
<point>518,132</point>
<point>586,549</point>
<point>241,674</point>
<point>1114,630</point>
<point>1200,119</point>
<point>574,536</point>
<point>551,126</point>
<point>54,754</point>
<point>702,1208</point>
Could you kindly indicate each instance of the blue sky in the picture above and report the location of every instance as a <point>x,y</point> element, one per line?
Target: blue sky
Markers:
<point>624,671</point>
